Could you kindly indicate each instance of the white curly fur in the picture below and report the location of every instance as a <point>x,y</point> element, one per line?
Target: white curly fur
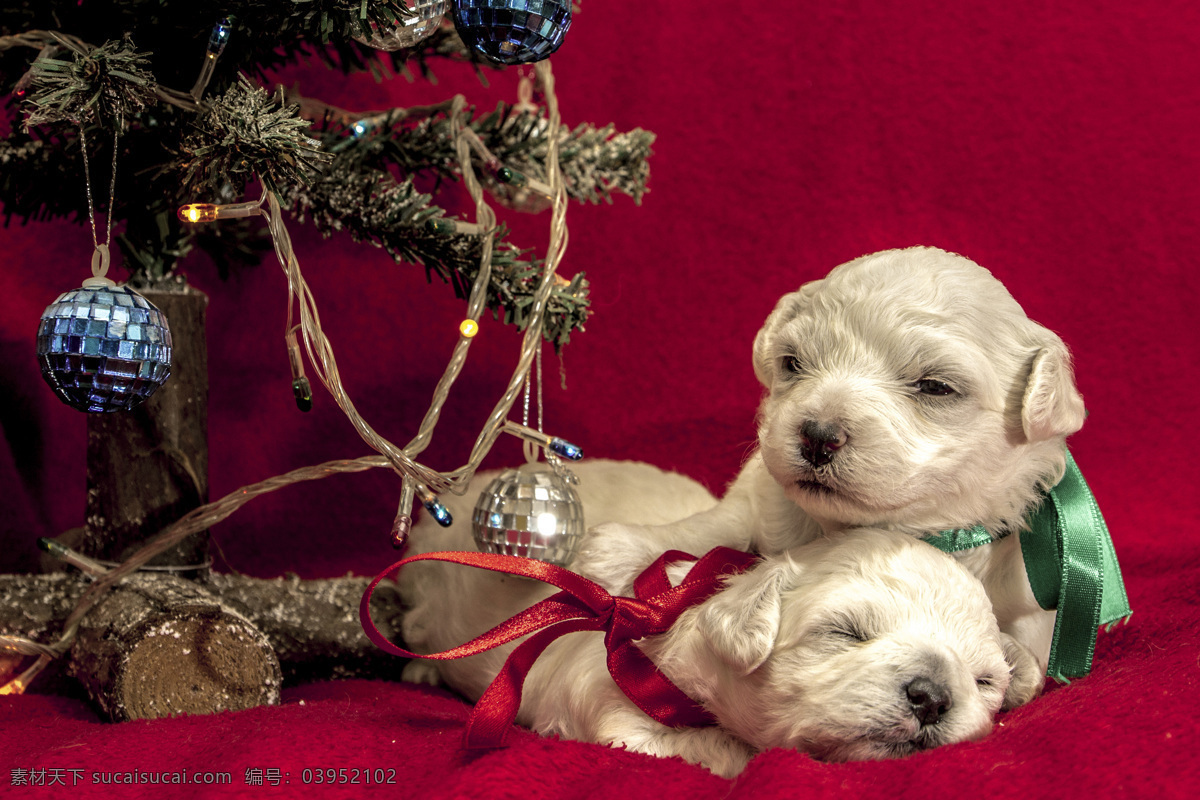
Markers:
<point>854,354</point>
<point>815,649</point>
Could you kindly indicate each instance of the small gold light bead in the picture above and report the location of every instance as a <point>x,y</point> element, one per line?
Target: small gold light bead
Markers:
<point>198,212</point>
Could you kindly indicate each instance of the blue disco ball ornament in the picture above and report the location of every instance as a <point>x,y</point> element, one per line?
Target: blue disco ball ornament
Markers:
<point>513,31</point>
<point>103,347</point>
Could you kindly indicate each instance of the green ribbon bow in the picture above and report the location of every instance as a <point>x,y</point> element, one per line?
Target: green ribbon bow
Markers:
<point>1071,565</point>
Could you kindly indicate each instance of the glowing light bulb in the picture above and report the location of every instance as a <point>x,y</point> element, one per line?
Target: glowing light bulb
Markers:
<point>561,447</point>
<point>439,512</point>
<point>219,36</point>
<point>198,212</point>
<point>468,328</point>
<point>207,212</point>
<point>434,507</point>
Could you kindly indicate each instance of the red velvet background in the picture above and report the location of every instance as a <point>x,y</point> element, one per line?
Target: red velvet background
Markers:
<point>1054,144</point>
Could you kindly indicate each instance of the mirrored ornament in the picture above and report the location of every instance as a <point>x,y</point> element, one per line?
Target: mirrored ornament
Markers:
<point>407,31</point>
<point>513,31</point>
<point>530,512</point>
<point>103,347</point>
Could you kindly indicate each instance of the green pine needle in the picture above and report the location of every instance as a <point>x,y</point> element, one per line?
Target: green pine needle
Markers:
<point>102,86</point>
<point>175,149</point>
<point>374,207</point>
<point>244,133</point>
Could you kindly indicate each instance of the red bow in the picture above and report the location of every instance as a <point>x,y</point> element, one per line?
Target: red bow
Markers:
<point>582,605</point>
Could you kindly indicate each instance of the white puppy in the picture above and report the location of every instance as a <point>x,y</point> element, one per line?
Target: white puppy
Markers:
<point>871,647</point>
<point>906,390</point>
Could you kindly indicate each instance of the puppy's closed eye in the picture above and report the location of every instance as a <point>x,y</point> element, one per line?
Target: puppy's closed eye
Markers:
<point>934,387</point>
<point>845,628</point>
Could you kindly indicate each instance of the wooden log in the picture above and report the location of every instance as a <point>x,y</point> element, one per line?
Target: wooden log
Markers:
<point>34,607</point>
<point>311,627</point>
<point>157,646</point>
<point>148,467</point>
<point>314,625</point>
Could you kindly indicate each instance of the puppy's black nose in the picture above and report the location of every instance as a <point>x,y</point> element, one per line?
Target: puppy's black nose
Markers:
<point>819,441</point>
<point>930,700</point>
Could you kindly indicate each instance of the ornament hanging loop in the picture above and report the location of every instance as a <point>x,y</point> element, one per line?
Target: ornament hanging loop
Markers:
<point>531,451</point>
<point>525,102</point>
<point>100,261</point>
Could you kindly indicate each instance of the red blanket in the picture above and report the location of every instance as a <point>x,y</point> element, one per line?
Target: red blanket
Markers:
<point>1055,145</point>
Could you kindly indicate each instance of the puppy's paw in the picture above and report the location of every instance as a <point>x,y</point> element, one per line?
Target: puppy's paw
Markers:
<point>718,752</point>
<point>613,555</point>
<point>421,671</point>
<point>711,748</point>
<point>1027,676</point>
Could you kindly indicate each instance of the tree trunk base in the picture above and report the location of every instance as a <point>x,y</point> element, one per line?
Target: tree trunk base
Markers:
<point>148,466</point>
<point>158,645</point>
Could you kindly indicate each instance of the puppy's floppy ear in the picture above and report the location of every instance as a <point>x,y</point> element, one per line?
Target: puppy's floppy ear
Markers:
<point>764,342</point>
<point>1027,678</point>
<point>1052,406</point>
<point>762,358</point>
<point>741,622</point>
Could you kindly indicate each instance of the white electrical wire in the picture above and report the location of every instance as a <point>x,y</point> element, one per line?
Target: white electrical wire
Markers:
<point>320,355</point>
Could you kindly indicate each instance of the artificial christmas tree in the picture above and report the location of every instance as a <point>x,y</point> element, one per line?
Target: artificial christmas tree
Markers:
<point>96,83</point>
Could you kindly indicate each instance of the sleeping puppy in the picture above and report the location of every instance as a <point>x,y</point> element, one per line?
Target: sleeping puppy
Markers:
<point>874,646</point>
<point>906,390</point>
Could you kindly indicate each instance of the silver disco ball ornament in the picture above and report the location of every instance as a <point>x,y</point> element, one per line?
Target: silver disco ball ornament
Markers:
<point>407,31</point>
<point>103,347</point>
<point>530,512</point>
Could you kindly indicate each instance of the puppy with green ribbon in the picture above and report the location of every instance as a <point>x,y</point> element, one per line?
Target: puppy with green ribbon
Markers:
<point>908,391</point>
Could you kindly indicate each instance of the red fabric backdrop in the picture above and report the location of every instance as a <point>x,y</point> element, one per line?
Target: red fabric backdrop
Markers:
<point>1052,144</point>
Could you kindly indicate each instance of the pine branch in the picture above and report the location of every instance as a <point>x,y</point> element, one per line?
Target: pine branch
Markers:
<point>374,207</point>
<point>321,21</point>
<point>177,150</point>
<point>267,35</point>
<point>103,85</point>
<point>596,162</point>
<point>248,133</point>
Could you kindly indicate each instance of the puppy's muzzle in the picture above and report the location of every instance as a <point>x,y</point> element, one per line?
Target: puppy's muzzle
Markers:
<point>929,699</point>
<point>819,441</point>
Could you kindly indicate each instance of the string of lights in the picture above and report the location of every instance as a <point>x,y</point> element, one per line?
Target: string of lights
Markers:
<point>418,480</point>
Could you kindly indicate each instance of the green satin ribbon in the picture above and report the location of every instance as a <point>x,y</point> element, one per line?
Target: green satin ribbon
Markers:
<point>1072,567</point>
<point>963,539</point>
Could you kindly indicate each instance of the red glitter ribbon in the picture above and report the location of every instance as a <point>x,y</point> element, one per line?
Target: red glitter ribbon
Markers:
<point>582,605</point>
